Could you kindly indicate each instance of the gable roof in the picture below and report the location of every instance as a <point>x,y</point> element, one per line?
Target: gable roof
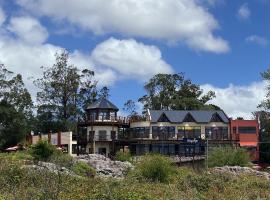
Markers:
<point>189,118</point>
<point>102,103</point>
<point>163,118</point>
<point>178,116</point>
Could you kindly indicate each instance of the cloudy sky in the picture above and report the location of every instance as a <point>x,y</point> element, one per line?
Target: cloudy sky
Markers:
<point>222,45</point>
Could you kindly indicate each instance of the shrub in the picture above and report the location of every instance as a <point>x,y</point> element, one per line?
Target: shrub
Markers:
<point>154,167</point>
<point>228,156</point>
<point>83,169</point>
<point>42,150</point>
<point>123,156</point>
<point>61,159</point>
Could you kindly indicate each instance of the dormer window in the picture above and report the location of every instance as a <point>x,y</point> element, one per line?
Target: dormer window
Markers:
<point>189,118</point>
<point>163,118</point>
<point>216,118</point>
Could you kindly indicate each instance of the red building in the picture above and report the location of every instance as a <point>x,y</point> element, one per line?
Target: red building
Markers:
<point>247,132</point>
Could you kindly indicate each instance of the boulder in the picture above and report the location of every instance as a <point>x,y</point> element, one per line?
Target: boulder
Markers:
<point>105,167</point>
<point>237,170</point>
<point>50,167</point>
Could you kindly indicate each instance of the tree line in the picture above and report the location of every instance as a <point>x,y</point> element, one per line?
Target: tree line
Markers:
<point>65,91</point>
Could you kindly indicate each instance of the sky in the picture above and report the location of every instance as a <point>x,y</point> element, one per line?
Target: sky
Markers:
<point>223,45</point>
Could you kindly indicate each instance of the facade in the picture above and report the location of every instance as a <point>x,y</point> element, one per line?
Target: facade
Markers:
<point>64,140</point>
<point>100,130</point>
<point>178,132</point>
<point>247,132</point>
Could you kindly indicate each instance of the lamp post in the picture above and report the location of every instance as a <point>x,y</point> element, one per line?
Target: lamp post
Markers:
<point>207,148</point>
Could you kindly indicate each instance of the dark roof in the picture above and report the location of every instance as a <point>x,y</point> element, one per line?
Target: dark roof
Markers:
<point>102,104</point>
<point>178,116</point>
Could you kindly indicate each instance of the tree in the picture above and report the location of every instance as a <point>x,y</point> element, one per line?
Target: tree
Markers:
<point>104,93</point>
<point>173,91</point>
<point>130,108</point>
<point>13,91</point>
<point>13,125</point>
<point>15,108</point>
<point>264,118</point>
<point>64,92</point>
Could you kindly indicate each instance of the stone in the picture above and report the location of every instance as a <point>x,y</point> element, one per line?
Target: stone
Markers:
<point>105,167</point>
<point>50,167</point>
<point>237,170</point>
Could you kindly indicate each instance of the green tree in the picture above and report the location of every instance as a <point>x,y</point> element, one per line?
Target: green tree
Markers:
<point>64,93</point>
<point>264,117</point>
<point>15,108</point>
<point>130,108</point>
<point>104,93</point>
<point>173,91</point>
<point>13,125</point>
<point>13,91</point>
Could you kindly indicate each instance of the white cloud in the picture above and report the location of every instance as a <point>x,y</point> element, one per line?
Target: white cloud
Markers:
<point>130,58</point>
<point>238,101</point>
<point>2,16</point>
<point>173,21</point>
<point>244,12</point>
<point>28,29</point>
<point>112,60</point>
<point>257,40</point>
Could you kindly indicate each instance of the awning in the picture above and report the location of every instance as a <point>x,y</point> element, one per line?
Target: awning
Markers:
<point>248,144</point>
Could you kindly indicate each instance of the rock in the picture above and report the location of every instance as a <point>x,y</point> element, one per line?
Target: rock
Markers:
<point>237,170</point>
<point>105,167</point>
<point>50,167</point>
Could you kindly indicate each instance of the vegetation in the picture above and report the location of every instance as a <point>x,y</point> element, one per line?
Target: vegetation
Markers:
<point>83,169</point>
<point>123,156</point>
<point>17,183</point>
<point>228,156</point>
<point>154,167</point>
<point>15,108</point>
<point>42,150</point>
<point>173,91</point>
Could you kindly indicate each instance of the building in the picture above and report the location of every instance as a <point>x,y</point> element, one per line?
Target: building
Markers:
<point>177,132</point>
<point>247,132</point>
<point>64,140</point>
<point>100,130</point>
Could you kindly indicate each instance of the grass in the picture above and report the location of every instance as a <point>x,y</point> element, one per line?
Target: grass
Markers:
<point>17,182</point>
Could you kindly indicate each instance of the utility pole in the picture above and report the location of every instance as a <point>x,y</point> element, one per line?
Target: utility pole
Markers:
<point>207,149</point>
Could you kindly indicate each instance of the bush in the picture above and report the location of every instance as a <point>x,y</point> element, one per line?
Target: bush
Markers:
<point>83,169</point>
<point>154,167</point>
<point>61,159</point>
<point>123,156</point>
<point>42,150</point>
<point>228,156</point>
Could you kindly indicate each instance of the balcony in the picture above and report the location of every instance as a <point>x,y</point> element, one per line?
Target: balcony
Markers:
<point>106,120</point>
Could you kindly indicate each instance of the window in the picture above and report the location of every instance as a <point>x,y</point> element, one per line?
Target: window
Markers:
<point>189,118</point>
<point>189,132</point>
<point>216,133</point>
<point>163,133</point>
<point>163,118</point>
<point>102,135</point>
<point>103,115</point>
<point>216,118</point>
<point>140,132</point>
<point>251,130</point>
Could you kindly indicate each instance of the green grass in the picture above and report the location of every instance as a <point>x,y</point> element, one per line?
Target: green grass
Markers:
<point>17,183</point>
<point>228,156</point>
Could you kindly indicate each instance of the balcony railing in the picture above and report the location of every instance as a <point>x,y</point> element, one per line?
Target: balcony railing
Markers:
<point>124,120</point>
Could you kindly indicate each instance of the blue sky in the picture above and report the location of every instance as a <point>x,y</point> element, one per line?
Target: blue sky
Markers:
<point>220,44</point>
